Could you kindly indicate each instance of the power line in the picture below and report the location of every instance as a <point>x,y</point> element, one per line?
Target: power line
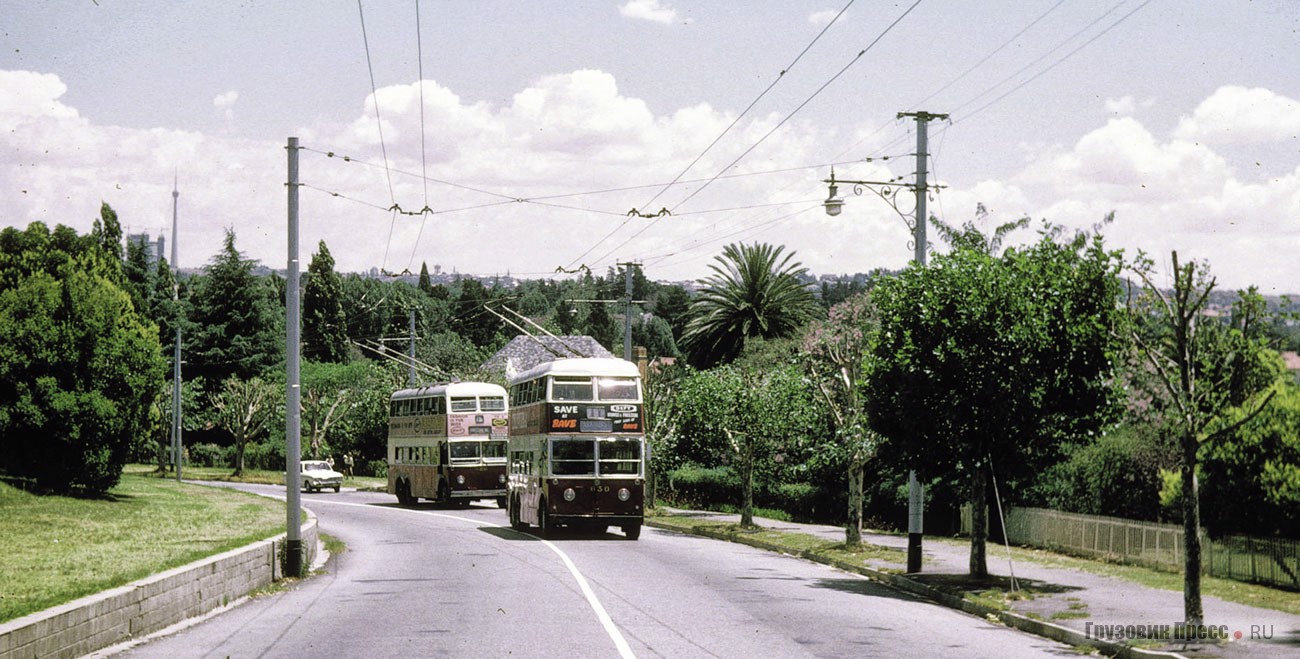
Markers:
<point>379,123</point>
<point>775,128</point>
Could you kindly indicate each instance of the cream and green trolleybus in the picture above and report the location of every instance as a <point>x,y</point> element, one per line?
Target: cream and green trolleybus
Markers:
<point>447,443</point>
<point>577,446</point>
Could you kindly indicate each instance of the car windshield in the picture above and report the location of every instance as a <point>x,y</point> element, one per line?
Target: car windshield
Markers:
<point>315,466</point>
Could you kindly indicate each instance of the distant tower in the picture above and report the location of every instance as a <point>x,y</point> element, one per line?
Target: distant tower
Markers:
<point>177,442</point>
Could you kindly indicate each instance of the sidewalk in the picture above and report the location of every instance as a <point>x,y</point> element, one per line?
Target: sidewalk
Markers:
<point>1072,599</point>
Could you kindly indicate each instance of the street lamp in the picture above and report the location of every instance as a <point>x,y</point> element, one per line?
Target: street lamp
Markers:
<point>915,220</point>
<point>888,192</point>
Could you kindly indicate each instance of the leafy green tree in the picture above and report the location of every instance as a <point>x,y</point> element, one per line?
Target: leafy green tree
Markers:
<point>329,395</point>
<point>324,327</point>
<point>472,320</point>
<point>1207,368</point>
<point>1252,475</point>
<point>425,282</point>
<point>78,373</point>
<point>600,326</point>
<point>985,361</point>
<point>836,350</point>
<point>754,292</point>
<point>238,327</point>
<point>243,408</point>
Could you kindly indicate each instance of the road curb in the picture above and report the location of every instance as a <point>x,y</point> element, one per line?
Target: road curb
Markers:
<point>901,582</point>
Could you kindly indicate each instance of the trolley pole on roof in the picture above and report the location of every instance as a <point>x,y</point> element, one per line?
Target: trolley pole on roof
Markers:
<point>293,390</point>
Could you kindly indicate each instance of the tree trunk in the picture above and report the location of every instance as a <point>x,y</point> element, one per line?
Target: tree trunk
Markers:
<point>1192,612</point>
<point>853,529</point>
<point>747,489</point>
<point>239,456</point>
<point>979,567</point>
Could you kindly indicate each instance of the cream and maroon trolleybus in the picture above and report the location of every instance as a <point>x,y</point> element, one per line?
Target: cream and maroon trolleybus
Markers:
<point>447,442</point>
<point>577,446</point>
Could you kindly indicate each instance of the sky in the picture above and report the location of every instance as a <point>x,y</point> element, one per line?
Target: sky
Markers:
<point>515,137</point>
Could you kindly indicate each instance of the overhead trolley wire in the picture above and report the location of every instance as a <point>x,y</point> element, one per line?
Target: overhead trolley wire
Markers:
<point>379,124</point>
<point>779,77</point>
<point>771,132</point>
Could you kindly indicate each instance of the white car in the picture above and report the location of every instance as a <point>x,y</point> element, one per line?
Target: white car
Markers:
<point>317,475</point>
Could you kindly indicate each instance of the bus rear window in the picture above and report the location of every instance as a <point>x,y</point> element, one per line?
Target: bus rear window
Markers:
<point>571,389</point>
<point>492,403</point>
<point>459,404</point>
<point>617,388</point>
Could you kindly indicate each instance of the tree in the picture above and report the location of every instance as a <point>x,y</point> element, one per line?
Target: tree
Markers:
<point>1207,368</point>
<point>324,327</point>
<point>329,394</point>
<point>78,373</point>
<point>754,292</point>
<point>238,327</point>
<point>985,361</point>
<point>425,283</point>
<point>835,351</point>
<point>243,408</point>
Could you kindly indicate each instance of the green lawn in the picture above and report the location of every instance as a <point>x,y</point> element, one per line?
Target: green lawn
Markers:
<point>57,549</point>
<point>250,476</point>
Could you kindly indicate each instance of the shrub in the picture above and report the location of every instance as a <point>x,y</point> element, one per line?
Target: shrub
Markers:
<point>376,468</point>
<point>209,455</point>
<point>704,487</point>
<point>264,455</point>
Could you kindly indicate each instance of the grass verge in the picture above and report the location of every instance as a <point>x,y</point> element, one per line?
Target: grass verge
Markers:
<point>797,544</point>
<point>1224,589</point>
<point>260,476</point>
<point>57,549</point>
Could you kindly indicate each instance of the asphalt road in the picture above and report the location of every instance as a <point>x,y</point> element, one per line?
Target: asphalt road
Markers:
<point>436,581</point>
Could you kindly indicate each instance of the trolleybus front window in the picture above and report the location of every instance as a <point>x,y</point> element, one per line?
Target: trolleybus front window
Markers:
<point>617,388</point>
<point>494,450</point>
<point>468,404</point>
<point>620,456</point>
<point>464,450</point>
<point>573,457</point>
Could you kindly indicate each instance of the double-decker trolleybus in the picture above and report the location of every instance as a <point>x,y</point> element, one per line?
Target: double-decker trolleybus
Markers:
<point>447,442</point>
<point>577,446</point>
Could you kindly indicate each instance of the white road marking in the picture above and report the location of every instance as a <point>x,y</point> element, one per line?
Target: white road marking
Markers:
<point>624,650</point>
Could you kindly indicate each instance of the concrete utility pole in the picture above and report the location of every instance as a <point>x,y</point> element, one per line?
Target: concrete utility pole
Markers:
<point>412,347</point>
<point>293,392</point>
<point>178,445</point>
<point>627,309</point>
<point>915,490</point>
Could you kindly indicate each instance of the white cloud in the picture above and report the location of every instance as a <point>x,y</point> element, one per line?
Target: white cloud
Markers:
<point>1234,115</point>
<point>226,103</point>
<point>25,95</point>
<point>225,100</point>
<point>824,17</point>
<point>648,10</point>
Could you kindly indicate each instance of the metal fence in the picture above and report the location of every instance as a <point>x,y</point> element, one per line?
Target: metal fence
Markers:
<point>1270,561</point>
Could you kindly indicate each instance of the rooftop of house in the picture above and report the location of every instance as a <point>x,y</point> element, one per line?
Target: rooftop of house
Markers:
<point>525,352</point>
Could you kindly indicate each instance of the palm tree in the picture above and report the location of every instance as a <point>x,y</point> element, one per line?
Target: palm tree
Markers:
<point>754,292</point>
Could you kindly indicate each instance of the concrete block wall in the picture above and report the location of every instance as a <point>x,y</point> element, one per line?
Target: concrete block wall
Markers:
<point>140,608</point>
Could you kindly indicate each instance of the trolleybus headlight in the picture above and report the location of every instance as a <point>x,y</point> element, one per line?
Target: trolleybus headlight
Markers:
<point>460,479</point>
<point>501,478</point>
<point>624,494</point>
<point>569,494</point>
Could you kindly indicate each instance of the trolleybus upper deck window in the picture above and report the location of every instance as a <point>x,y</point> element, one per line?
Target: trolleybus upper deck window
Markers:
<point>464,404</point>
<point>617,388</point>
<point>571,389</point>
<point>492,403</point>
